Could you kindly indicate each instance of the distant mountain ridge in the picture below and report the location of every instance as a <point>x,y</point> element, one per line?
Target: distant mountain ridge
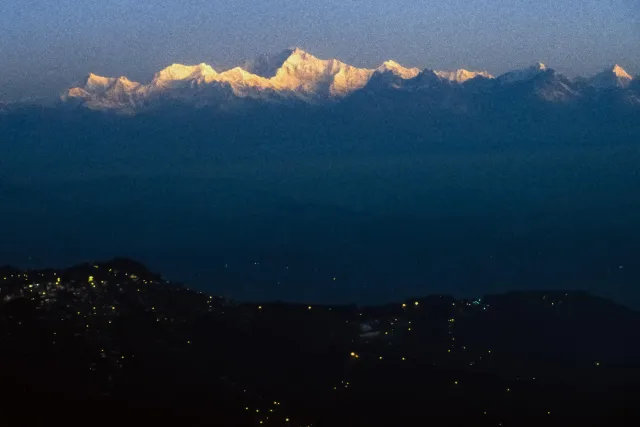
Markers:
<point>294,75</point>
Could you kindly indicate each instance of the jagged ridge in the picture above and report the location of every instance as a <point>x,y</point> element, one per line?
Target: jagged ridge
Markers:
<point>297,75</point>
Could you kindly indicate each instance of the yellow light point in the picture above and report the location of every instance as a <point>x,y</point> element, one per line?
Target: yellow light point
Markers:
<point>257,410</point>
<point>549,413</point>
<point>31,286</point>
<point>309,307</point>
<point>508,390</point>
<point>259,307</point>
<point>113,308</point>
<point>489,351</point>
<point>246,408</point>
<point>380,357</point>
<point>404,358</point>
<point>353,354</point>
<point>404,305</point>
<point>455,382</point>
<point>597,363</point>
<point>449,351</point>
<point>417,303</point>
<point>286,420</point>
<point>90,279</point>
<point>58,280</point>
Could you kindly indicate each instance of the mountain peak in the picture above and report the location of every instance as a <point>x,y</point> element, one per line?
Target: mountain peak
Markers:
<point>178,72</point>
<point>297,50</point>
<point>94,80</point>
<point>238,75</point>
<point>618,71</point>
<point>397,69</point>
<point>390,63</point>
<point>296,75</point>
<point>462,75</point>
<point>613,77</point>
<point>524,74</point>
<point>298,55</point>
<point>267,66</point>
<point>313,77</point>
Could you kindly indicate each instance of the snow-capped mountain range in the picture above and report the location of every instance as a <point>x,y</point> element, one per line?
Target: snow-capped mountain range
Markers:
<point>297,76</point>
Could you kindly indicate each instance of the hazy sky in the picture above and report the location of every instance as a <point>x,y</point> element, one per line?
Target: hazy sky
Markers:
<point>47,45</point>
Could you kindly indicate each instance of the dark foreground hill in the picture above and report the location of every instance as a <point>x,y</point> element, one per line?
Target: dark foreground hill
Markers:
<point>113,343</point>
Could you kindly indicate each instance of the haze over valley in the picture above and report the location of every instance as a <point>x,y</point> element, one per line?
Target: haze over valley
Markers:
<point>268,182</point>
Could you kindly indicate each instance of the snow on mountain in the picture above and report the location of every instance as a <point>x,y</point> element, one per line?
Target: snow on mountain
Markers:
<point>188,83</point>
<point>107,93</point>
<point>303,73</point>
<point>462,75</point>
<point>297,75</point>
<point>300,75</point>
<point>245,84</point>
<point>614,77</point>
<point>523,74</point>
<point>267,65</point>
<point>393,67</point>
<point>298,72</point>
<point>620,72</point>
<point>391,75</point>
<point>95,82</point>
<point>177,75</point>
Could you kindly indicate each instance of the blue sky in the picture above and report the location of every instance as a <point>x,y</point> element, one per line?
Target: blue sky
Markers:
<point>47,45</point>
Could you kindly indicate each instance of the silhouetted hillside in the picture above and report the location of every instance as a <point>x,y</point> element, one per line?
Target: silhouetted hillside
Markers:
<point>111,342</point>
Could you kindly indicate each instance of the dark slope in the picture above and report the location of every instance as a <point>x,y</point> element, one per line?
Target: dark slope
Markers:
<point>112,342</point>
